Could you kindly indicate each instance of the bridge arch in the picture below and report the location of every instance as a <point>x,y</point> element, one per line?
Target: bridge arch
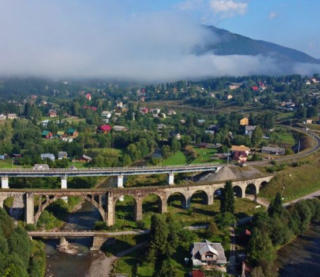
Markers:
<point>251,189</point>
<point>200,197</point>
<point>217,193</point>
<point>127,207</point>
<point>153,202</point>
<point>263,185</point>
<point>53,198</point>
<point>238,192</point>
<point>175,197</point>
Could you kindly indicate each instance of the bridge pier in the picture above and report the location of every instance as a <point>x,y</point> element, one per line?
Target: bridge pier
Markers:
<point>4,182</point>
<point>64,185</point>
<point>138,210</point>
<point>98,241</point>
<point>110,209</point>
<point>29,210</point>
<point>120,181</point>
<point>63,243</point>
<point>171,178</point>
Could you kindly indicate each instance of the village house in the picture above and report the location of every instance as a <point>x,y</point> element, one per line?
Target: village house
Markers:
<point>120,104</point>
<point>48,156</point>
<point>234,86</point>
<point>273,150</point>
<point>46,134</point>
<point>40,167</point>
<point>248,130</point>
<point>309,121</point>
<point>240,153</point>
<point>106,114</point>
<point>12,116</point>
<point>62,155</point>
<point>118,128</point>
<point>244,121</point>
<point>208,254</point>
<point>88,96</point>
<point>52,113</point>
<point>105,129</point>
<point>171,112</point>
<point>60,134</point>
<point>72,133</point>
<point>229,96</point>
<point>85,158</point>
<point>3,117</point>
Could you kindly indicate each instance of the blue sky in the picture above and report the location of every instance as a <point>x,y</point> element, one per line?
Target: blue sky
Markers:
<point>146,39</point>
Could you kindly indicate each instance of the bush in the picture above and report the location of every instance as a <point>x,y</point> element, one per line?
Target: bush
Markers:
<point>30,227</point>
<point>100,225</point>
<point>140,224</point>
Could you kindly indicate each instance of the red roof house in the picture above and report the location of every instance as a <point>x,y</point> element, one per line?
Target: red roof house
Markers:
<point>104,129</point>
<point>88,96</point>
<point>255,88</point>
<point>197,273</point>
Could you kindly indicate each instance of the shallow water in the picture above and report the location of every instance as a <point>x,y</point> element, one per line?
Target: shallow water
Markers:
<point>67,265</point>
<point>302,256</point>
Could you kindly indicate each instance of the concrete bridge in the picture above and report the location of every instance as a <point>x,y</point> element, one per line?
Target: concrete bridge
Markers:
<point>64,173</point>
<point>105,199</point>
<point>99,238</point>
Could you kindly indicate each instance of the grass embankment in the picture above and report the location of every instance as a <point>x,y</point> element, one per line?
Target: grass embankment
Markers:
<point>294,182</point>
<point>177,158</point>
<point>197,214</point>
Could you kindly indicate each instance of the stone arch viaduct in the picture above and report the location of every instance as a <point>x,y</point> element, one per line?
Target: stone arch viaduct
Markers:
<point>111,196</point>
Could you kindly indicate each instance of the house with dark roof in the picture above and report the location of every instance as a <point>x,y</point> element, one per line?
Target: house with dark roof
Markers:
<point>208,253</point>
<point>72,133</point>
<point>85,158</point>
<point>52,113</point>
<point>62,155</point>
<point>48,156</point>
<point>104,129</point>
<point>46,134</point>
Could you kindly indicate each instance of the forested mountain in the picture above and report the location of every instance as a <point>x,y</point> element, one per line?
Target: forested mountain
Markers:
<point>235,44</point>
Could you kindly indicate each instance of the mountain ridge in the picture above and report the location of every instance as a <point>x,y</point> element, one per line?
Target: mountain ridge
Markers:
<point>235,44</point>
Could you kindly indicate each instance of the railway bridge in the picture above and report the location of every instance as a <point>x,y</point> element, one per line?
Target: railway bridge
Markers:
<point>105,199</point>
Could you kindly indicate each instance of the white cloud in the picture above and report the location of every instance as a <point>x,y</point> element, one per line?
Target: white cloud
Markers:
<point>189,5</point>
<point>42,38</point>
<point>228,8</point>
<point>273,15</point>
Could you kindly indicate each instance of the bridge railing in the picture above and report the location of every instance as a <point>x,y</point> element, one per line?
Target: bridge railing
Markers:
<point>111,169</point>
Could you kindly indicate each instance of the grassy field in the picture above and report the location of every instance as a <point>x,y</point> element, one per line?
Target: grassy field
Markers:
<point>294,182</point>
<point>176,159</point>
<point>204,156</point>
<point>282,136</point>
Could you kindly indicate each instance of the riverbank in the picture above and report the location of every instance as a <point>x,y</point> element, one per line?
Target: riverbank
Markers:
<point>301,257</point>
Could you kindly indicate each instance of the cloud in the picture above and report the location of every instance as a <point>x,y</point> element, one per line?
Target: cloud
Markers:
<point>189,5</point>
<point>273,15</point>
<point>104,40</point>
<point>228,8</point>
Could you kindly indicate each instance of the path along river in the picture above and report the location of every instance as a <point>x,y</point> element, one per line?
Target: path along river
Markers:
<point>301,257</point>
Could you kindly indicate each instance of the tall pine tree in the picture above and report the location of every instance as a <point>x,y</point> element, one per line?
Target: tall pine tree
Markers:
<point>227,200</point>
<point>275,207</point>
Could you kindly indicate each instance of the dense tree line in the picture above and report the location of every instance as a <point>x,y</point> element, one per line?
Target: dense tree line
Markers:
<point>19,256</point>
<point>277,227</point>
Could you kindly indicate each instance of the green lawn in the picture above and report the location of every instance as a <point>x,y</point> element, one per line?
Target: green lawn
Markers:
<point>204,156</point>
<point>281,136</point>
<point>176,159</point>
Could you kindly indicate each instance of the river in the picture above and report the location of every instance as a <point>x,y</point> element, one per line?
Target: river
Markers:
<point>67,265</point>
<point>301,257</point>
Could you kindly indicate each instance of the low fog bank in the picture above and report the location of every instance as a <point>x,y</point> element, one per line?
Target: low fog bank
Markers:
<point>68,39</point>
